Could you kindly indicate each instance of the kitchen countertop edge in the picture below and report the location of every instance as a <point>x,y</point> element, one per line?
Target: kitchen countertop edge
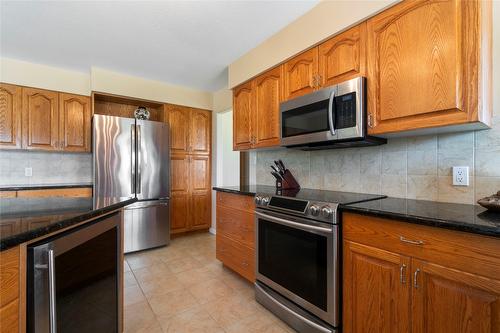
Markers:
<point>17,239</point>
<point>450,224</point>
<point>43,187</point>
<point>426,221</point>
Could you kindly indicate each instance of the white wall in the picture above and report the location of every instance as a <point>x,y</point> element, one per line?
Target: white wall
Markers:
<point>101,80</point>
<point>321,22</point>
<point>228,161</point>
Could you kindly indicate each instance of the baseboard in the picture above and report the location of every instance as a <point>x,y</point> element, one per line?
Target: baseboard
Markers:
<point>213,231</point>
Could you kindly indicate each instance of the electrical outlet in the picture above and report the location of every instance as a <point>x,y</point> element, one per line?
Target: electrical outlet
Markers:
<point>28,172</point>
<point>461,176</point>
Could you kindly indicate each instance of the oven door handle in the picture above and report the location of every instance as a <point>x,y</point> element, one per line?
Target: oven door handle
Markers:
<point>296,225</point>
<point>331,115</point>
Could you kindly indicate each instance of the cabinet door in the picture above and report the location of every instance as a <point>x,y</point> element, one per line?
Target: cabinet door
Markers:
<point>74,122</point>
<point>179,128</point>
<point>376,290</point>
<point>267,88</point>
<point>10,116</point>
<point>343,57</point>
<point>40,119</point>
<point>200,131</point>
<point>422,66</point>
<point>242,116</point>
<point>179,193</point>
<point>299,74</point>
<point>449,300</point>
<point>200,192</point>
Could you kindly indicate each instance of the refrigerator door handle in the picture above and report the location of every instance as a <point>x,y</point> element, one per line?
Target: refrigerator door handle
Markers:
<point>132,159</point>
<point>139,161</point>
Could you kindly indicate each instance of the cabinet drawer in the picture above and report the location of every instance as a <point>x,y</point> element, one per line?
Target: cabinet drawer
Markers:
<point>9,275</point>
<point>236,256</point>
<point>468,252</point>
<point>236,201</point>
<point>236,225</point>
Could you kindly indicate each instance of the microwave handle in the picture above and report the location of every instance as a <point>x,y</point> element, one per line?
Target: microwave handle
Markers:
<point>331,112</point>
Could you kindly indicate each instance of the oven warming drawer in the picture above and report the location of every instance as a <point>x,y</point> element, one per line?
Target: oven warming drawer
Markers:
<point>289,312</point>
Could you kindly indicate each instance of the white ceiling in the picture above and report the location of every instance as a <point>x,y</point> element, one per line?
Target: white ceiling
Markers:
<point>188,43</point>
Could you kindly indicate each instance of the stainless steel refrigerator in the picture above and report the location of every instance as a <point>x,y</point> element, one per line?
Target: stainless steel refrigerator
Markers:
<point>131,159</point>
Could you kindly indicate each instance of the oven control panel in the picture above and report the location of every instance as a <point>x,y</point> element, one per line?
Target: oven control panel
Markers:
<point>321,211</point>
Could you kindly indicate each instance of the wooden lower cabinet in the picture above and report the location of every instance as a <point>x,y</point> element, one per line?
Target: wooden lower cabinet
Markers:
<point>376,290</point>
<point>191,194</point>
<point>447,281</point>
<point>235,241</point>
<point>449,300</point>
<point>12,312</point>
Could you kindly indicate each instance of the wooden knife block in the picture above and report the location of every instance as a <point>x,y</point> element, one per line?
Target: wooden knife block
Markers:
<point>288,183</point>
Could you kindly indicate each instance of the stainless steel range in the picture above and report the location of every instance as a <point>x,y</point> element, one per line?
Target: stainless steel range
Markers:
<point>297,256</point>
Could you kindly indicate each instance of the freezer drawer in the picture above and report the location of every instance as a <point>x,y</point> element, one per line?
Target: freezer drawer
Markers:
<point>146,225</point>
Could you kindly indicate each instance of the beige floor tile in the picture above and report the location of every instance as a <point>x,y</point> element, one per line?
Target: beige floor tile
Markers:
<point>191,321</point>
<point>183,264</point>
<point>158,270</point>
<point>254,324</point>
<point>171,303</point>
<point>140,260</point>
<point>161,285</point>
<point>129,279</point>
<point>210,290</point>
<point>194,276</point>
<point>132,295</point>
<point>229,310</point>
<point>139,318</point>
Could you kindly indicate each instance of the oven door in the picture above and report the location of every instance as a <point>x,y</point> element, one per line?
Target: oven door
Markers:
<point>308,118</point>
<point>298,258</point>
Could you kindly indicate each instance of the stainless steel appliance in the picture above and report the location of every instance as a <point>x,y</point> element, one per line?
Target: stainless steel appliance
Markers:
<point>74,280</point>
<point>333,117</point>
<point>297,257</point>
<point>131,159</point>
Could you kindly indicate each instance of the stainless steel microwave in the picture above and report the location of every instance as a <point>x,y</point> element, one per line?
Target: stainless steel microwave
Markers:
<point>333,117</point>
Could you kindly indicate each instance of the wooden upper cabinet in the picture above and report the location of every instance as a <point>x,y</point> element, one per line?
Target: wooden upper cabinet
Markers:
<point>425,67</point>
<point>300,74</point>
<point>376,290</point>
<point>242,116</point>
<point>267,90</point>
<point>74,122</point>
<point>10,116</point>
<point>449,300</point>
<point>200,124</point>
<point>343,57</point>
<point>179,128</point>
<point>40,119</point>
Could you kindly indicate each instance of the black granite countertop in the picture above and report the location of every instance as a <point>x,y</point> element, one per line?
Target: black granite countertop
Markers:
<point>42,186</point>
<point>467,218</point>
<point>460,217</point>
<point>24,219</point>
<point>250,190</point>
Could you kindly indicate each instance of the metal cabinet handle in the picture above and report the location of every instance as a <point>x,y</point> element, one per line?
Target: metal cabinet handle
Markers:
<point>415,278</point>
<point>244,263</point>
<point>139,161</point>
<point>132,159</point>
<point>409,241</point>
<point>52,293</point>
<point>402,273</point>
<point>370,120</point>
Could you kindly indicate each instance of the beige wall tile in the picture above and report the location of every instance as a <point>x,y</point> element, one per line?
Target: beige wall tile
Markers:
<point>422,162</point>
<point>393,185</point>
<point>456,194</point>
<point>422,187</point>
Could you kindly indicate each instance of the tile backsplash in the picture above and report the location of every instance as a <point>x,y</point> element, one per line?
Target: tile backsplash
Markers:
<point>47,167</point>
<point>414,167</point>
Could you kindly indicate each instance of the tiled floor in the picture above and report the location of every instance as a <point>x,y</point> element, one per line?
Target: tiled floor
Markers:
<point>183,288</point>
